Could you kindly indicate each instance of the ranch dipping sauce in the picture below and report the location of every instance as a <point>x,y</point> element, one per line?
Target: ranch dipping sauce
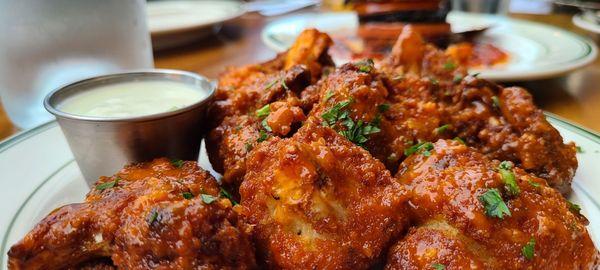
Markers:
<point>123,118</point>
<point>133,99</point>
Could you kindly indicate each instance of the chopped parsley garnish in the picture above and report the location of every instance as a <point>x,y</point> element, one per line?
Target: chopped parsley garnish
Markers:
<point>508,177</point>
<point>365,65</point>
<point>270,84</point>
<point>208,199</point>
<point>493,204</point>
<point>424,147</point>
<point>248,146</point>
<point>328,95</point>
<point>223,193</point>
<point>474,75</point>
<point>264,111</point>
<point>529,249</point>
<point>152,217</point>
<point>442,128</point>
<point>438,266</point>
<point>434,81</point>
<point>283,84</point>
<point>265,125</point>
<point>574,208</point>
<point>457,78</point>
<point>357,132</point>
<point>458,139</point>
<point>579,149</point>
<point>187,195</point>
<point>383,107</point>
<point>397,78</point>
<point>496,101</point>
<point>336,113</point>
<point>177,162</point>
<point>106,185</point>
<point>449,65</point>
<point>263,136</point>
<point>534,184</point>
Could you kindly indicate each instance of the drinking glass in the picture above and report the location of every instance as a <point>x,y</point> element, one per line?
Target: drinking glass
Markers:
<point>482,6</point>
<point>46,44</point>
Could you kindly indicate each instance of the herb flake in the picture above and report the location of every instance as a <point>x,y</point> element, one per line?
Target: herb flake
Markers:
<point>496,102</point>
<point>528,250</point>
<point>328,95</point>
<point>508,177</point>
<point>442,129</point>
<point>574,208</point>
<point>383,107</point>
<point>106,185</point>
<point>262,136</point>
<point>223,193</point>
<point>533,184</point>
<point>449,65</point>
<point>207,198</point>
<point>177,163</point>
<point>365,65</point>
<point>269,85</point>
<point>265,125</point>
<point>493,204</point>
<point>187,195</point>
<point>438,266</point>
<point>264,111</point>
<point>425,147</point>
<point>458,139</point>
<point>152,217</point>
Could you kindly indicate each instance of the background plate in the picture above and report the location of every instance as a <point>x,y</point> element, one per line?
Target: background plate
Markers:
<point>177,22</point>
<point>536,50</point>
<point>38,174</point>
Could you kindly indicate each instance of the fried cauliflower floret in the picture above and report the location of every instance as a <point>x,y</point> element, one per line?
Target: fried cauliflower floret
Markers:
<point>472,211</point>
<point>229,144</point>
<point>433,99</point>
<point>150,215</point>
<point>247,88</point>
<point>319,202</point>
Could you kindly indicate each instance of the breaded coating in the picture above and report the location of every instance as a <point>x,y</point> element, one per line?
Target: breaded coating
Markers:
<point>472,211</point>
<point>320,202</point>
<point>161,214</point>
<point>262,100</point>
<point>432,98</point>
<point>247,88</point>
<point>237,135</point>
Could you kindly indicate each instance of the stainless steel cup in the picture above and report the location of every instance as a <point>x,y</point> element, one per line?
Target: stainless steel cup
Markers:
<point>103,145</point>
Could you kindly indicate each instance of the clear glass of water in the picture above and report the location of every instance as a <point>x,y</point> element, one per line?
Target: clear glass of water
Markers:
<point>46,44</point>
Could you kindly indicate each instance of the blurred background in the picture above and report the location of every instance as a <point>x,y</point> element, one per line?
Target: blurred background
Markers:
<point>549,47</point>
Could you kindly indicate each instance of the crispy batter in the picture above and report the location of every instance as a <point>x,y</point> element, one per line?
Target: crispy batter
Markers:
<point>141,220</point>
<point>320,202</point>
<point>247,88</point>
<point>445,186</point>
<point>502,123</point>
<point>237,135</point>
<point>276,84</point>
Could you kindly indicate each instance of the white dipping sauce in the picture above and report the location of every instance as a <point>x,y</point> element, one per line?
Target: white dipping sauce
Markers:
<point>131,99</point>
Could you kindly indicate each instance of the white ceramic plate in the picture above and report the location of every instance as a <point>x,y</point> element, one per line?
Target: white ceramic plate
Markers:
<point>586,23</point>
<point>38,174</point>
<point>176,22</point>
<point>536,50</point>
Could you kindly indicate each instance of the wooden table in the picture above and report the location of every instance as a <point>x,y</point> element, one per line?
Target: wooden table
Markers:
<point>575,97</point>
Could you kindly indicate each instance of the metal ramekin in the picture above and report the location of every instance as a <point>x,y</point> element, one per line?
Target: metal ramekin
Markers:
<point>103,145</point>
